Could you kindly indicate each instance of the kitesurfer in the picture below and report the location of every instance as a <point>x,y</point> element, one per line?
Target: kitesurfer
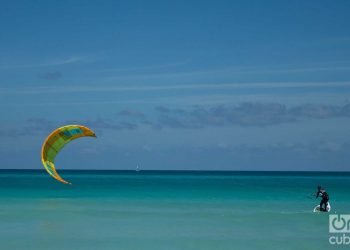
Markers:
<point>325,198</point>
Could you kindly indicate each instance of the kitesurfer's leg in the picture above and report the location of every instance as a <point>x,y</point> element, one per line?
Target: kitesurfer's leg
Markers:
<point>321,205</point>
<point>325,204</point>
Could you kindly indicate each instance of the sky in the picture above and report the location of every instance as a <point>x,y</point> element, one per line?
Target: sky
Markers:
<point>177,85</point>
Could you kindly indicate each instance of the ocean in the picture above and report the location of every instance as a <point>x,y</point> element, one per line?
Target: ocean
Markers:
<point>168,210</point>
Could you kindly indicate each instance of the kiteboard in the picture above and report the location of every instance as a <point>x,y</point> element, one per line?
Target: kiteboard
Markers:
<point>317,208</point>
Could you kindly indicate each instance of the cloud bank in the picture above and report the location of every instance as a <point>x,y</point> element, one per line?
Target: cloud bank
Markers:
<point>245,115</point>
<point>196,117</point>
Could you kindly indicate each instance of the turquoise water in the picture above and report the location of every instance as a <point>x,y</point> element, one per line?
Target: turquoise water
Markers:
<point>167,210</point>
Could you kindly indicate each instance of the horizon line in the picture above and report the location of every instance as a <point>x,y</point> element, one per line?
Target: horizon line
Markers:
<point>182,170</point>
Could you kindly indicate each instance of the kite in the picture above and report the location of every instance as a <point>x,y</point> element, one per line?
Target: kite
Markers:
<point>56,141</point>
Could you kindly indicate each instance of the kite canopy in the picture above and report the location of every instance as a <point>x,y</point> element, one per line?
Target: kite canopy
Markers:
<point>56,141</point>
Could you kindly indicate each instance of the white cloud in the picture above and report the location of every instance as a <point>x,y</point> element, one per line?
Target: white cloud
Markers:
<point>113,88</point>
<point>55,62</point>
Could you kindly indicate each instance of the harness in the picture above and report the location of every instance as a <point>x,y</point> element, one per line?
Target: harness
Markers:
<point>325,195</point>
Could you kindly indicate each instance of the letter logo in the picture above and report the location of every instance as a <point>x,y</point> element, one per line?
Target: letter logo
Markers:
<point>339,223</point>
